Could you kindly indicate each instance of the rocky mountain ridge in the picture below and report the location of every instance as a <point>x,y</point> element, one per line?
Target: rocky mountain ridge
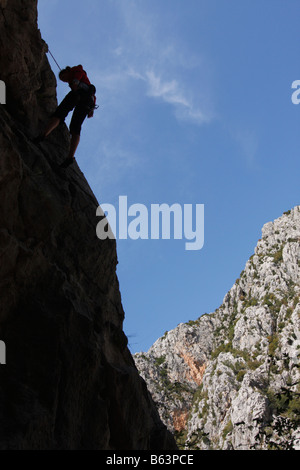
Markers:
<point>231,379</point>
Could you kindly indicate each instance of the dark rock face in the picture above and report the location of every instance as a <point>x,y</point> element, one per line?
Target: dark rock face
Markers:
<point>31,85</point>
<point>69,381</point>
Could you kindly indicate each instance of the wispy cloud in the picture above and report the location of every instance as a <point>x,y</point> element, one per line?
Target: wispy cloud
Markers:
<point>173,93</point>
<point>112,166</point>
<point>143,53</point>
<point>248,143</point>
<point>167,90</point>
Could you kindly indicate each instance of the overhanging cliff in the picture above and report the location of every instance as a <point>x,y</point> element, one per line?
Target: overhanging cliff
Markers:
<point>69,381</point>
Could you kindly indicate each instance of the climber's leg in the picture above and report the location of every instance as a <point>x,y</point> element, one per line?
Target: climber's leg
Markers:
<point>67,104</point>
<point>79,115</point>
<point>73,147</point>
<point>75,139</point>
<point>52,124</point>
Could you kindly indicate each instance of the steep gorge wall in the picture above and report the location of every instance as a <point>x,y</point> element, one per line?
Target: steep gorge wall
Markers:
<point>69,381</point>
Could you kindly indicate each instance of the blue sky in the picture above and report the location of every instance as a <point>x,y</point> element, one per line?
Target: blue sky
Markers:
<point>195,108</point>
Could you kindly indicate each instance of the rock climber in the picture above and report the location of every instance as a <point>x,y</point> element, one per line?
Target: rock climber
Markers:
<point>82,99</point>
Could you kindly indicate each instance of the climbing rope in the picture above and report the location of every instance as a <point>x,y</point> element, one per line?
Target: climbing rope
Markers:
<point>53,58</point>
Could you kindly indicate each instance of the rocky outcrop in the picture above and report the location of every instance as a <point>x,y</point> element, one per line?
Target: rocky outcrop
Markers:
<point>69,381</point>
<point>234,374</point>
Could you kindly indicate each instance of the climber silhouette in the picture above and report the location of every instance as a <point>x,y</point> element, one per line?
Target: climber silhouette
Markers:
<point>82,99</point>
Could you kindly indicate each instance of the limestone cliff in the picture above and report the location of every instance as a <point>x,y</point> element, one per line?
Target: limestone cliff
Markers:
<point>69,381</point>
<point>231,379</point>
